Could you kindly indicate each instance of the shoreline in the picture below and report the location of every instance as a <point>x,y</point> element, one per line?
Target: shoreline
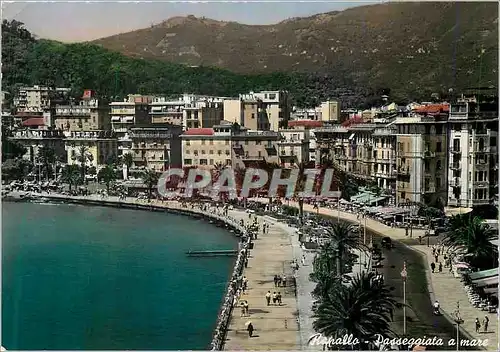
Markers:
<point>226,307</point>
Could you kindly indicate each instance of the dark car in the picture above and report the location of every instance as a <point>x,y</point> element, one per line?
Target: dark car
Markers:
<point>386,242</point>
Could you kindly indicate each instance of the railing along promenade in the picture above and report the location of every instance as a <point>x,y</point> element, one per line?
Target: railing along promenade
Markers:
<point>222,323</point>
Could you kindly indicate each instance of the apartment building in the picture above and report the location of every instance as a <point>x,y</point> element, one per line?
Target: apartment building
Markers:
<point>246,112</point>
<point>293,147</point>
<point>229,144</point>
<point>351,149</point>
<point>35,99</point>
<point>202,112</point>
<point>33,140</point>
<point>131,111</point>
<point>88,114</point>
<point>473,151</point>
<point>273,110</point>
<point>169,111</point>
<point>310,126</point>
<point>100,147</point>
<point>384,158</point>
<point>330,111</point>
<point>156,147</point>
<point>421,157</point>
<point>312,114</point>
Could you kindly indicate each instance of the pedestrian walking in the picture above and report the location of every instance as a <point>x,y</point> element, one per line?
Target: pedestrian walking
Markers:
<point>250,329</point>
<point>486,321</point>
<point>433,266</point>
<point>245,306</point>
<point>275,297</point>
<point>279,298</point>
<point>478,325</point>
<point>268,298</point>
<point>440,268</point>
<point>436,257</point>
<point>284,281</point>
<point>303,261</point>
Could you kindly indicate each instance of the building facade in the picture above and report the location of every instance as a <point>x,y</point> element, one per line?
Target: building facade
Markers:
<point>156,147</point>
<point>99,146</point>
<point>421,159</point>
<point>228,144</point>
<point>34,140</point>
<point>293,147</point>
<point>473,152</point>
<point>88,114</point>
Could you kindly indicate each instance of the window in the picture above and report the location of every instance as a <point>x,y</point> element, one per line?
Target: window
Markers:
<point>438,182</point>
<point>403,195</point>
<point>211,142</point>
<point>227,142</point>
<point>188,161</point>
<point>211,151</point>
<point>202,142</point>
<point>439,147</point>
<point>253,115</point>
<point>188,143</point>
<point>219,152</point>
<point>438,165</point>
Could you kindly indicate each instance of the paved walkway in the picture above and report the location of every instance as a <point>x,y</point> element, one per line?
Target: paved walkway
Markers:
<point>442,286</point>
<point>275,326</point>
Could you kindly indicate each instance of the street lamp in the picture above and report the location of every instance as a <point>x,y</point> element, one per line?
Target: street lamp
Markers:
<point>458,321</point>
<point>404,275</point>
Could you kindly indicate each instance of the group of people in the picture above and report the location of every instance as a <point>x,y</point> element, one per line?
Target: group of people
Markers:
<point>276,297</point>
<point>280,281</point>
<point>436,252</point>
<point>486,321</point>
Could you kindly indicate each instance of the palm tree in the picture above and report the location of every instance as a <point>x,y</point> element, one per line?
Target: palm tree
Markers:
<point>343,236</point>
<point>128,161</point>
<point>471,233</point>
<point>71,175</point>
<point>300,186</point>
<point>364,309</point>
<point>150,179</point>
<point>108,175</point>
<point>47,157</point>
<point>83,156</point>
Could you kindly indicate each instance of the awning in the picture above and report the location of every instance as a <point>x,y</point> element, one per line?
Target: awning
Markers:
<point>128,119</point>
<point>491,291</point>
<point>115,118</point>
<point>351,136</point>
<point>495,242</point>
<point>484,274</point>
<point>486,282</point>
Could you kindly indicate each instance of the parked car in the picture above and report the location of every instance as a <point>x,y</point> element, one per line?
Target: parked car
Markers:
<point>386,242</point>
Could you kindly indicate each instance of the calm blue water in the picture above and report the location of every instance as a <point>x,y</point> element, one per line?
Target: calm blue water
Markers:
<point>78,277</point>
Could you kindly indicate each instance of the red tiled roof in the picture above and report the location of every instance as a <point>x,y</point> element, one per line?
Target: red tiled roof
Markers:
<point>305,123</point>
<point>199,132</point>
<point>433,108</point>
<point>34,121</point>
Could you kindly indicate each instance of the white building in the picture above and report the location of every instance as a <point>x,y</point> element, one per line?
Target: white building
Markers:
<point>293,147</point>
<point>473,152</point>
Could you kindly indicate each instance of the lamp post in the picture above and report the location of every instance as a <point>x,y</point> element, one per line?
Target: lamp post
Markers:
<point>404,275</point>
<point>458,321</point>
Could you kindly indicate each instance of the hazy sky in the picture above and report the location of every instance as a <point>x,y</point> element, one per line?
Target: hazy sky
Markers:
<point>79,21</point>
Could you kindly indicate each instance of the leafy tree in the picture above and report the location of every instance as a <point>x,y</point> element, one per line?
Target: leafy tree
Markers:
<point>150,179</point>
<point>71,175</point>
<point>344,238</point>
<point>83,156</point>
<point>47,157</point>
<point>16,169</point>
<point>108,175</point>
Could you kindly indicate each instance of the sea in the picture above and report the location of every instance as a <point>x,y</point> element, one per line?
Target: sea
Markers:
<point>95,278</point>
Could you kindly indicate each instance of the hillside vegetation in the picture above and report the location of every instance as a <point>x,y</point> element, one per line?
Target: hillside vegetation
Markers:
<point>406,46</point>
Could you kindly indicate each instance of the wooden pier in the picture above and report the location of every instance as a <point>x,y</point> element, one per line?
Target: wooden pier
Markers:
<point>213,253</point>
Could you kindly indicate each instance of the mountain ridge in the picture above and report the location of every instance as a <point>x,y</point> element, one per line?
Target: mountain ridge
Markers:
<point>418,44</point>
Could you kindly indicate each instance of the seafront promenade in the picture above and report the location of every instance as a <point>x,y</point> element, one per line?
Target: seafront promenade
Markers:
<point>276,326</point>
<point>443,287</point>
